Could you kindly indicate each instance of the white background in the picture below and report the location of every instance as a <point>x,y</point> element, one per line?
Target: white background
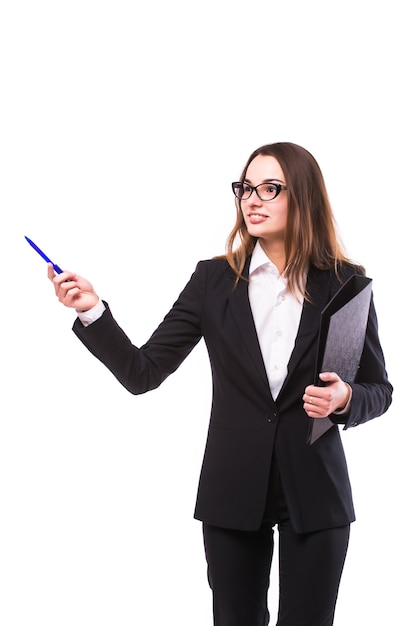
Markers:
<point>122,125</point>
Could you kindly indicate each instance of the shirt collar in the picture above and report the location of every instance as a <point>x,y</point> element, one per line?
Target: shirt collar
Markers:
<point>259,259</point>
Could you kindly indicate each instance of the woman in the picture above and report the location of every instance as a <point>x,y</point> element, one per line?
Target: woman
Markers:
<point>258,310</point>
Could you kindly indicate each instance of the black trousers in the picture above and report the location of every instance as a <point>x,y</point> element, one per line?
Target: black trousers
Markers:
<point>310,568</point>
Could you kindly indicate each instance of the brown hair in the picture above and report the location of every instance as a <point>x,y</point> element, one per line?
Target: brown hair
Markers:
<point>311,236</point>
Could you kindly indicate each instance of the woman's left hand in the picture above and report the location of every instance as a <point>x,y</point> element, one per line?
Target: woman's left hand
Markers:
<point>322,401</point>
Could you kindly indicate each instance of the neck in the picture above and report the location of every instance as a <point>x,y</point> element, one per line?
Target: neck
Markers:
<point>276,254</point>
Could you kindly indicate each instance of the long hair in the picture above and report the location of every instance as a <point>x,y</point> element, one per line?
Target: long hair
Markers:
<point>311,236</point>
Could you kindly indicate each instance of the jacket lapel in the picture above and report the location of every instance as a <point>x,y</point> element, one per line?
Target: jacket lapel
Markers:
<point>242,314</point>
<point>319,289</point>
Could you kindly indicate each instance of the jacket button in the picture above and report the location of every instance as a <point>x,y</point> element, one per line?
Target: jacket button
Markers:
<point>272,418</point>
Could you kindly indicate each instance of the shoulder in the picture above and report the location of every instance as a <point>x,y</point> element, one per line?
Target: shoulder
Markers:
<point>331,279</point>
<point>215,263</point>
<point>215,267</point>
<point>342,272</point>
<point>346,269</point>
<point>213,276</point>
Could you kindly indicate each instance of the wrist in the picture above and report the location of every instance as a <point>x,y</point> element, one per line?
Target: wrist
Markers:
<point>345,406</point>
<point>97,300</point>
<point>92,315</point>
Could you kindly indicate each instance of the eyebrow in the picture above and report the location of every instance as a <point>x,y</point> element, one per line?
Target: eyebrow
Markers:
<point>267,180</point>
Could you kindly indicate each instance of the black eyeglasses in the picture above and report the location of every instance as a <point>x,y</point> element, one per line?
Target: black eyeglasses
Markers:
<point>264,191</point>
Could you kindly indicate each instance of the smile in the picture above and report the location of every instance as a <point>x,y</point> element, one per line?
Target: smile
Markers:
<point>257,217</point>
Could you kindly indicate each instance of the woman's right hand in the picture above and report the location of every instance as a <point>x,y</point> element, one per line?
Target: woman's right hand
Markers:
<point>72,290</point>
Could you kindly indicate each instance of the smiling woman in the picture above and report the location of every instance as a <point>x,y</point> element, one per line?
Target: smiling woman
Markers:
<point>258,309</point>
<point>298,206</point>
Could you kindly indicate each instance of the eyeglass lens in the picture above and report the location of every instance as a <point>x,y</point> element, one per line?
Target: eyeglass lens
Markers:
<point>265,191</point>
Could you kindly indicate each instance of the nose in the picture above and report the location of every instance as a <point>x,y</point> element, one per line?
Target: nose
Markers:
<point>254,199</point>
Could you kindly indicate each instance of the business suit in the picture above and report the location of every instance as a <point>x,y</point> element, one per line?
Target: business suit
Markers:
<point>244,416</point>
<point>248,428</point>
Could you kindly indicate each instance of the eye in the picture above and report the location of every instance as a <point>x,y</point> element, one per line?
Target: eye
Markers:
<point>246,188</point>
<point>268,191</point>
<point>271,189</point>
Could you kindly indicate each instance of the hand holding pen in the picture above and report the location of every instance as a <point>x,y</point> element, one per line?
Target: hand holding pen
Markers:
<point>71,290</point>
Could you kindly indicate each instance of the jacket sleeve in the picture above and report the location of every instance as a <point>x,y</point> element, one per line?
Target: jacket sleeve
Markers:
<point>145,368</point>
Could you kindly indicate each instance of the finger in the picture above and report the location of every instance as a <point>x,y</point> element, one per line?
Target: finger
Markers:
<point>71,297</point>
<point>311,404</point>
<point>58,278</point>
<point>310,390</point>
<point>68,289</point>
<point>329,377</point>
<point>51,273</point>
<point>312,410</point>
<point>311,395</point>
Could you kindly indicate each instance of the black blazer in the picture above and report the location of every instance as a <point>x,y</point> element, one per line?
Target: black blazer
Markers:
<point>246,423</point>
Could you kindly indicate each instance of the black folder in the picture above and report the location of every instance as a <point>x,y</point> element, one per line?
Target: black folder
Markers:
<point>341,339</point>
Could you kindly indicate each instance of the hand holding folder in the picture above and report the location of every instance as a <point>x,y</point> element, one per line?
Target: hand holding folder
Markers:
<point>341,339</point>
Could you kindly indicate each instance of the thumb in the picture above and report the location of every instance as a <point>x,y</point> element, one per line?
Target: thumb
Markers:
<point>51,273</point>
<point>329,377</point>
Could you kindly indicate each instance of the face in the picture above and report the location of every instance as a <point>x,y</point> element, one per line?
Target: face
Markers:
<point>265,220</point>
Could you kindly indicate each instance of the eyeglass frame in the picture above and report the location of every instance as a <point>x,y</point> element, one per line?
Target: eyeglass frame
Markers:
<point>279,187</point>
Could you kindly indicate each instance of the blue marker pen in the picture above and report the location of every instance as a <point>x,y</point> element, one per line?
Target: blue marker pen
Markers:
<point>43,255</point>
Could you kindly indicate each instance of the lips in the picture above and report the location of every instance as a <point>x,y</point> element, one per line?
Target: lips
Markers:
<point>256,218</point>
